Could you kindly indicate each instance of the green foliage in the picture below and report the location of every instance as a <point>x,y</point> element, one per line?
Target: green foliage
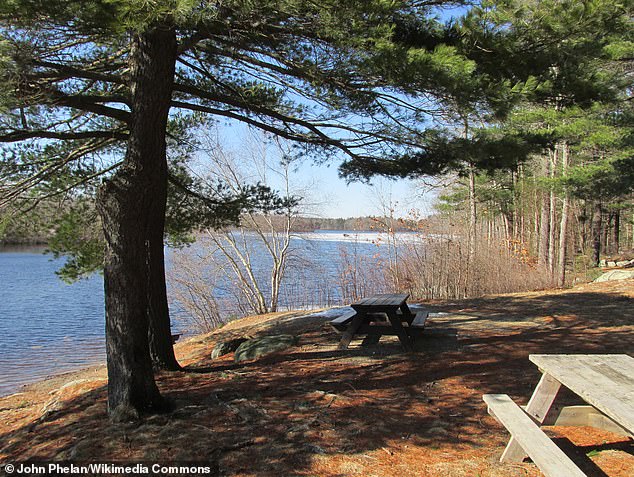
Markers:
<point>487,150</point>
<point>384,83</point>
<point>78,236</point>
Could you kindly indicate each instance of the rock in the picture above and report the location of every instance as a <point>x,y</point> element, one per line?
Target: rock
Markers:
<point>83,450</point>
<point>314,449</point>
<point>51,407</point>
<point>226,347</point>
<point>611,264</point>
<point>258,347</point>
<point>615,275</point>
<point>622,263</point>
<point>602,263</point>
<point>437,431</point>
<point>73,383</point>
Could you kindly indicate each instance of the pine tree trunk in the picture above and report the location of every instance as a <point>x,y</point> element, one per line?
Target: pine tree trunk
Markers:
<point>563,225</point>
<point>616,226</point>
<point>544,219</point>
<point>472,215</point>
<point>605,242</point>
<point>553,214</point>
<point>126,202</point>
<point>597,232</point>
<point>521,213</point>
<point>160,332</point>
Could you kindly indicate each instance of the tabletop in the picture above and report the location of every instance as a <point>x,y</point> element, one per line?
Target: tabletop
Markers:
<point>385,300</point>
<point>605,381</point>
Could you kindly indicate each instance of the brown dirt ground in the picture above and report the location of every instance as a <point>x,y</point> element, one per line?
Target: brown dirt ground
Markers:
<point>371,411</point>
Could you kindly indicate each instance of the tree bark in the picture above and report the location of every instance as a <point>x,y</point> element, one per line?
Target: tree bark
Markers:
<point>605,236</point>
<point>159,332</point>
<point>563,225</point>
<point>616,226</point>
<point>473,216</point>
<point>126,203</point>
<point>553,213</point>
<point>597,232</point>
<point>544,219</point>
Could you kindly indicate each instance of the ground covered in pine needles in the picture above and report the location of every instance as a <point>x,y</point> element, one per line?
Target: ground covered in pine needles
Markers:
<point>370,411</point>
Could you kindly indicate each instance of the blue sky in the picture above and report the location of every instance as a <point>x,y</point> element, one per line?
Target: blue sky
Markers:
<point>336,198</point>
<point>324,193</point>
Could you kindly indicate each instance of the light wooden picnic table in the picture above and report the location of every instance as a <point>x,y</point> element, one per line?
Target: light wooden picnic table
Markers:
<point>605,382</point>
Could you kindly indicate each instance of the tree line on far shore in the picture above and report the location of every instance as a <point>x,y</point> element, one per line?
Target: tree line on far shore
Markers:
<point>41,225</point>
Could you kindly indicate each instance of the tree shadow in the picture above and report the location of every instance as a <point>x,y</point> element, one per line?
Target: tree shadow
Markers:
<point>598,308</point>
<point>314,409</point>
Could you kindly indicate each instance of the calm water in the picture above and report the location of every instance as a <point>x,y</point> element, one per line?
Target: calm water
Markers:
<point>48,327</point>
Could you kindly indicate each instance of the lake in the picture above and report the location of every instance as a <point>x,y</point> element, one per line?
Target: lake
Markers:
<point>48,327</point>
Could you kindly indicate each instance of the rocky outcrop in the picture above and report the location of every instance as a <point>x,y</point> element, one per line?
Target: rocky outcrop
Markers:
<point>226,347</point>
<point>615,275</point>
<point>258,347</point>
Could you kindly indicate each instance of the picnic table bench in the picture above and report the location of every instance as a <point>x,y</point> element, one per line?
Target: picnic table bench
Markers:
<point>605,382</point>
<point>378,315</point>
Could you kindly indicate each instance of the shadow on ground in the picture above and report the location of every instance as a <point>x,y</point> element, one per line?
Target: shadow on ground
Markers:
<point>315,410</point>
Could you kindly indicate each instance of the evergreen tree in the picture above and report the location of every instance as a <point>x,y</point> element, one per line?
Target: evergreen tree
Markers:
<point>89,89</point>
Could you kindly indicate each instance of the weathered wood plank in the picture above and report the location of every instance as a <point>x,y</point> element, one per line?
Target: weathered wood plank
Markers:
<point>357,321</point>
<point>389,299</point>
<point>550,459</point>
<point>584,415</point>
<point>539,406</point>
<point>407,313</point>
<point>604,381</point>
<point>373,329</point>
<point>341,322</point>
<point>419,319</point>
<point>403,336</point>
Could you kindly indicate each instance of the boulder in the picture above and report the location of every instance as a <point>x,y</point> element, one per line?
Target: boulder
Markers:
<point>255,348</point>
<point>615,275</point>
<point>226,347</point>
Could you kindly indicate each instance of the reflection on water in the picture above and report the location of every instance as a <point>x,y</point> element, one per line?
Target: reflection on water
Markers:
<point>46,326</point>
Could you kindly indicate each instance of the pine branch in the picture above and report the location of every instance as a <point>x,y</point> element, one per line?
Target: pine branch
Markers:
<point>21,135</point>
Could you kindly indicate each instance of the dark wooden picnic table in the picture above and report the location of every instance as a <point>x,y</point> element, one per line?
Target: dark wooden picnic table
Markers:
<point>378,315</point>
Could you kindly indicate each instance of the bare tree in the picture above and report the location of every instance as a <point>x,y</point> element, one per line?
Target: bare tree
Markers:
<point>238,252</point>
<point>191,291</point>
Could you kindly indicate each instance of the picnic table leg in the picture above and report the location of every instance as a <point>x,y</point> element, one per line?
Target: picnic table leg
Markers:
<point>354,325</point>
<point>538,407</point>
<point>371,340</point>
<point>400,331</point>
<point>407,313</point>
